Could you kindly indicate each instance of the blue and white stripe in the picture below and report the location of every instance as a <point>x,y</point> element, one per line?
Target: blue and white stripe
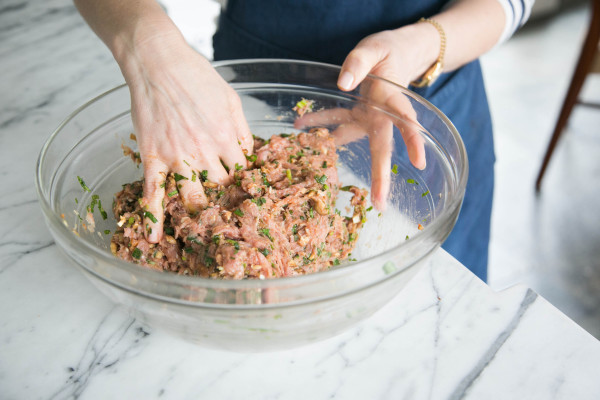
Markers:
<point>517,13</point>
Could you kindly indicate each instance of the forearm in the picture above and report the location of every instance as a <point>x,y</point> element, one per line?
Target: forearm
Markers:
<point>472,28</point>
<point>135,31</point>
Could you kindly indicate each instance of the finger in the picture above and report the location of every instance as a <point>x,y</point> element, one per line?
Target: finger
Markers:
<point>154,193</point>
<point>234,158</point>
<point>332,116</point>
<point>359,62</point>
<point>409,128</point>
<point>415,144</point>
<point>190,189</point>
<point>381,144</point>
<point>348,133</point>
<point>242,130</point>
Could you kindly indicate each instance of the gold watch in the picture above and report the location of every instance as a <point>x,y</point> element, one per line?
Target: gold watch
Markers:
<point>436,69</point>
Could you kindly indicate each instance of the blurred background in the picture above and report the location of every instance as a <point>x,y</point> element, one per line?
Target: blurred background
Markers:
<point>549,241</point>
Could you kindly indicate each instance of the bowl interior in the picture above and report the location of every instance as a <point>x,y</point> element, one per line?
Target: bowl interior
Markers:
<point>89,145</point>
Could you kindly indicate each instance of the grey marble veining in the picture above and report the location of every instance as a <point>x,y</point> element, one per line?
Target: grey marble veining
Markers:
<point>446,336</point>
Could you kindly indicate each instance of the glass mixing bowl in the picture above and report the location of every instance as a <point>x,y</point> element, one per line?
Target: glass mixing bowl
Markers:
<point>257,315</point>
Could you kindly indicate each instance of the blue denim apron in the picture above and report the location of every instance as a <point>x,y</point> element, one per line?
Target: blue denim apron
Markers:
<point>326,31</point>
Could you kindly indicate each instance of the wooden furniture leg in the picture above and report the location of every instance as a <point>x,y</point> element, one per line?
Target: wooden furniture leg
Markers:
<point>586,58</point>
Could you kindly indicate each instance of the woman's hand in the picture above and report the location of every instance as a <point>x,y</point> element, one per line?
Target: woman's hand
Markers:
<point>399,56</point>
<point>187,120</point>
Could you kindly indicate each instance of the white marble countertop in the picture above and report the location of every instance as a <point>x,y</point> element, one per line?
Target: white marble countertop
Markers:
<point>446,336</point>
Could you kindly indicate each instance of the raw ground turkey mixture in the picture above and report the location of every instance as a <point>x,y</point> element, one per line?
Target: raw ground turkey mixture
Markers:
<point>278,218</point>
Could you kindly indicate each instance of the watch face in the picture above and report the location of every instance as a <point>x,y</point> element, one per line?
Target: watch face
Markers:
<point>429,76</point>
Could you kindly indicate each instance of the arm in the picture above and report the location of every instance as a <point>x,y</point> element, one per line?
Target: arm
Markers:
<point>471,27</point>
<point>185,115</point>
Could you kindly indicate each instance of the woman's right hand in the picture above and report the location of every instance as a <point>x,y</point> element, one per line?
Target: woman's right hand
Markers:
<point>187,120</point>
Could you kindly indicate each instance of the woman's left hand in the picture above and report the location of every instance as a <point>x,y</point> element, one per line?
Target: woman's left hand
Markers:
<point>400,56</point>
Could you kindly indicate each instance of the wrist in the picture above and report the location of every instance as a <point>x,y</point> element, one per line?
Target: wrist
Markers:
<point>427,43</point>
<point>149,44</point>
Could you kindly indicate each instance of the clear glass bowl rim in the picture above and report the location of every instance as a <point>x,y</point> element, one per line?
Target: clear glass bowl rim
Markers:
<point>150,275</point>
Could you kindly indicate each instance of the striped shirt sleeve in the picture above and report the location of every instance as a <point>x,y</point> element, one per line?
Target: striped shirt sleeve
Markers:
<point>517,13</point>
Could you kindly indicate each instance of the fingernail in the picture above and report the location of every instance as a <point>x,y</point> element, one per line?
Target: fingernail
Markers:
<point>345,80</point>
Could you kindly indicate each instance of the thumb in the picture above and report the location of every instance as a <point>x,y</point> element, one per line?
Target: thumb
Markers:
<point>359,62</point>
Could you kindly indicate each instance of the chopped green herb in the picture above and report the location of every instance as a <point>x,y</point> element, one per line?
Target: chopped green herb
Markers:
<point>162,185</point>
<point>76,201</point>
<point>204,174</point>
<point>136,253</point>
<point>169,231</point>
<point>83,185</point>
<point>238,167</point>
<point>216,239</point>
<point>209,261</point>
<point>395,169</point>
<point>346,188</point>
<point>259,201</point>
<point>295,229</point>
<point>336,262</point>
<point>194,239</point>
<point>238,212</point>
<point>424,193</point>
<point>324,165</point>
<point>193,176</point>
<point>284,135</point>
<point>107,231</point>
<point>251,158</point>
<point>412,181</point>
<point>130,221</point>
<point>369,209</point>
<point>234,243</point>
<point>186,163</point>
<point>173,193</point>
<point>288,173</point>
<point>102,212</point>
<point>321,179</point>
<point>264,252</point>
<point>267,233</point>
<point>151,216</point>
<point>389,268</point>
<point>406,238</point>
<point>265,180</point>
<point>178,177</point>
<point>188,250</point>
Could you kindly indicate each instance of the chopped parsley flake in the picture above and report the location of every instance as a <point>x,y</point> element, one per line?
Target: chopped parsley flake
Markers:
<point>204,174</point>
<point>83,185</point>
<point>395,169</point>
<point>264,252</point>
<point>238,212</point>
<point>425,193</point>
<point>136,253</point>
<point>321,179</point>
<point>150,216</point>
<point>267,233</point>
<point>179,177</point>
<point>412,181</point>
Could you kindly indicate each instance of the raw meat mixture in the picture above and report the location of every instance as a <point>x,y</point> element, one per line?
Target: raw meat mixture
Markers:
<point>277,219</point>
